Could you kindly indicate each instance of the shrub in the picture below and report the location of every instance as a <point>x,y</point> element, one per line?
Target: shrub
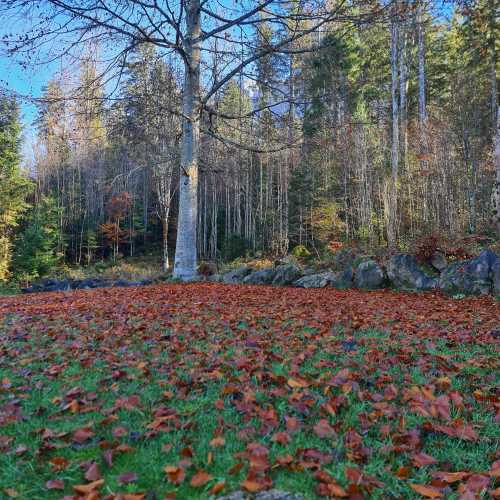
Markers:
<point>426,247</point>
<point>207,269</point>
<point>301,252</point>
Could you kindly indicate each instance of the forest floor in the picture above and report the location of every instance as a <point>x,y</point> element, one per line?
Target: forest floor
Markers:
<point>188,391</point>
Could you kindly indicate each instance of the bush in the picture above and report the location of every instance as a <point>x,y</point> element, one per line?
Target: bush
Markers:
<point>426,247</point>
<point>301,252</point>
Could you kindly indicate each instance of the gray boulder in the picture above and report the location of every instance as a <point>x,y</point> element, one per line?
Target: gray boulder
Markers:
<point>470,277</point>
<point>495,277</point>
<point>53,285</point>
<point>369,275</point>
<point>216,278</point>
<point>342,279</point>
<point>236,275</point>
<point>438,261</point>
<point>286,274</point>
<point>89,283</point>
<point>262,277</point>
<point>314,280</point>
<point>48,285</point>
<point>404,273</point>
<point>344,258</point>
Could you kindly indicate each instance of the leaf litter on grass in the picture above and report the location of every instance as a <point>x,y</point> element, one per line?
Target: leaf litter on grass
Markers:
<point>193,391</point>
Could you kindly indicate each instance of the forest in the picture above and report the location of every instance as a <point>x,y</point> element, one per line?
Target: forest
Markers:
<point>358,123</point>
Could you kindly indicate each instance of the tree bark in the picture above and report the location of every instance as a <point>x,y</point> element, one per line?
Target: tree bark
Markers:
<point>422,113</point>
<point>403,89</point>
<point>165,260</point>
<point>185,266</point>
<point>496,188</point>
<point>392,194</point>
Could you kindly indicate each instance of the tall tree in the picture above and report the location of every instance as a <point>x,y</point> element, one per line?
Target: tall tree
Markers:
<point>14,186</point>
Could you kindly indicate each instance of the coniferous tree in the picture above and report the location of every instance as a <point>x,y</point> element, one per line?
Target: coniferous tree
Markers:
<point>14,186</point>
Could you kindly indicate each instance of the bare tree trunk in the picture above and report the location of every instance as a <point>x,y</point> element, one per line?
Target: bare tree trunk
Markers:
<point>496,189</point>
<point>422,113</point>
<point>493,64</point>
<point>185,266</point>
<point>392,194</point>
<point>403,90</point>
<point>165,260</point>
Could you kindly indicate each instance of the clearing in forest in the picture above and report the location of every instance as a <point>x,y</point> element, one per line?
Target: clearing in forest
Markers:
<point>188,391</point>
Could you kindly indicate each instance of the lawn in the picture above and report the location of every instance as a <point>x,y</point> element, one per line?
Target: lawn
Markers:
<point>193,391</point>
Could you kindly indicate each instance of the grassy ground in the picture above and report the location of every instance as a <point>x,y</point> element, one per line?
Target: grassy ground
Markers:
<point>324,392</point>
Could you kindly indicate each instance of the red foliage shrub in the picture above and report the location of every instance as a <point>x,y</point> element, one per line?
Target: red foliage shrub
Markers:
<point>426,247</point>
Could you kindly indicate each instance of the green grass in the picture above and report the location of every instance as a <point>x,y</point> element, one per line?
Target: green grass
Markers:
<point>178,378</point>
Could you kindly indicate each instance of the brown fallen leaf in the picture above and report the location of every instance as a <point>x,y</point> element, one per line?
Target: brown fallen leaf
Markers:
<point>200,479</point>
<point>59,463</point>
<point>252,486</point>
<point>422,459</point>
<point>86,489</point>
<point>217,488</point>
<point>93,473</point>
<point>426,491</point>
<point>55,484</point>
<point>450,477</point>
<point>82,435</point>
<point>324,430</point>
<point>176,475</point>
<point>127,477</point>
<point>217,442</point>
<point>297,383</point>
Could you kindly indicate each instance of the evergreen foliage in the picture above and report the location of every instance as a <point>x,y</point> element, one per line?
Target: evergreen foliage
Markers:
<point>14,186</point>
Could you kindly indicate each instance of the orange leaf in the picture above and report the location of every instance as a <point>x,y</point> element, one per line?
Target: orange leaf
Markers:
<point>200,479</point>
<point>450,477</point>
<point>217,488</point>
<point>297,383</point>
<point>217,441</point>
<point>252,486</point>
<point>86,489</point>
<point>426,491</point>
<point>176,475</point>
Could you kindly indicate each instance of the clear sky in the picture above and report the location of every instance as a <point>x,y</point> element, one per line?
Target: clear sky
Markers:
<point>25,81</point>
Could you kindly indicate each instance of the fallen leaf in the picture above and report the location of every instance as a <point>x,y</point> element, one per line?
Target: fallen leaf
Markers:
<point>85,489</point>
<point>426,491</point>
<point>127,477</point>
<point>176,475</point>
<point>324,430</point>
<point>55,484</point>
<point>82,435</point>
<point>200,479</point>
<point>93,473</point>
<point>217,487</point>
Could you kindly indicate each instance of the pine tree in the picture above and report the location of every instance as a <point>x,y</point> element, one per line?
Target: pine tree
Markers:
<point>36,246</point>
<point>14,186</point>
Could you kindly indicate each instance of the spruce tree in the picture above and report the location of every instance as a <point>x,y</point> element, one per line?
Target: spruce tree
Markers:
<point>14,186</point>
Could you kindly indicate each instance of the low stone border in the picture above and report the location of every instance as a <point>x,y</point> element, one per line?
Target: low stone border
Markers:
<point>478,276</point>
